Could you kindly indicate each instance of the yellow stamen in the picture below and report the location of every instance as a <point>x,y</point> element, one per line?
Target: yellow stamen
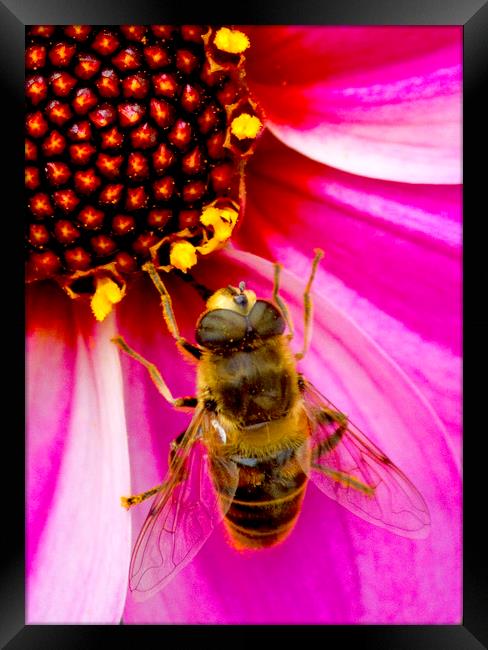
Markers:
<point>222,221</point>
<point>106,295</point>
<point>231,40</point>
<point>245,126</point>
<point>183,255</point>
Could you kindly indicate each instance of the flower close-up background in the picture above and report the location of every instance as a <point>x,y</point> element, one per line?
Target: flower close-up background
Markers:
<point>360,155</point>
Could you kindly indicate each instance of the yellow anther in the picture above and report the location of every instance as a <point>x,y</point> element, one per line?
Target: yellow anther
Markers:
<point>245,126</point>
<point>107,294</point>
<point>231,41</point>
<point>222,220</point>
<point>183,255</point>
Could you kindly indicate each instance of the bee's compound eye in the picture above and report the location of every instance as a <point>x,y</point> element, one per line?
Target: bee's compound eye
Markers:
<point>266,320</point>
<point>220,327</point>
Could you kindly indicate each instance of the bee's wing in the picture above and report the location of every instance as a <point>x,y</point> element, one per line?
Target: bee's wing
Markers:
<point>183,514</point>
<point>350,469</point>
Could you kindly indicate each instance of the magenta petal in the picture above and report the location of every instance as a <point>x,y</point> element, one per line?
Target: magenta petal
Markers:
<point>392,258</point>
<point>306,54</point>
<point>78,537</point>
<point>395,245</point>
<point>391,109</point>
<point>334,568</point>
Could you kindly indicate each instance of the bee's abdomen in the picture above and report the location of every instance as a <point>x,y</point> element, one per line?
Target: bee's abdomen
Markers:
<point>267,501</point>
<point>255,525</point>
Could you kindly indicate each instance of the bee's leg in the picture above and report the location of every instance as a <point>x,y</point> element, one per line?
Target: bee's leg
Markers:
<point>181,402</point>
<point>324,415</point>
<point>203,291</point>
<point>330,417</point>
<point>347,480</point>
<point>168,312</point>
<point>279,300</point>
<point>327,445</point>
<point>135,499</point>
<point>308,307</point>
<point>174,446</point>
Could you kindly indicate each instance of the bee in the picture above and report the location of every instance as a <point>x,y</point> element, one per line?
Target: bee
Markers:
<point>260,431</point>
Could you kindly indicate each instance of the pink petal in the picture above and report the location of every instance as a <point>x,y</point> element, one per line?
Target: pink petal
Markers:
<point>304,54</point>
<point>393,258</point>
<point>395,245</point>
<point>334,568</point>
<point>78,537</point>
<point>382,102</point>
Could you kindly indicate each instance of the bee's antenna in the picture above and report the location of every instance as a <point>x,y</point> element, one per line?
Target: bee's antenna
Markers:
<point>240,297</point>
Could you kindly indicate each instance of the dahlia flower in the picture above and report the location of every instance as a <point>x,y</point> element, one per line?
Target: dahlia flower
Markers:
<point>360,155</point>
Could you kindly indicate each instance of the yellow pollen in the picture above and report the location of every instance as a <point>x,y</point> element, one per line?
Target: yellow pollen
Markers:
<point>106,295</point>
<point>222,221</point>
<point>183,255</point>
<point>231,40</point>
<point>245,126</point>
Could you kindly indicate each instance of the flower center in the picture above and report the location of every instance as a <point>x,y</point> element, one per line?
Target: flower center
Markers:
<point>136,139</point>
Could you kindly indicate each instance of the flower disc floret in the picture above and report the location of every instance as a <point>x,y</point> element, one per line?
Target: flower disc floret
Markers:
<point>130,135</point>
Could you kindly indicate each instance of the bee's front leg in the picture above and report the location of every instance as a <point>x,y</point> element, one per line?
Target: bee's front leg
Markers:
<point>279,300</point>
<point>168,312</point>
<point>308,307</point>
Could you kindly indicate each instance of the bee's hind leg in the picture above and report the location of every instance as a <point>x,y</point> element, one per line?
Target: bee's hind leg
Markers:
<point>135,499</point>
<point>308,307</point>
<point>326,446</point>
<point>347,480</point>
<point>180,402</point>
<point>330,417</point>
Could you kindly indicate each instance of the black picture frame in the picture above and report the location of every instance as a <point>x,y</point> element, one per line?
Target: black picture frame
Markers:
<point>473,16</point>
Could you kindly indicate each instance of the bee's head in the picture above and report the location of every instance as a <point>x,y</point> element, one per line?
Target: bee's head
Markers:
<point>235,318</point>
<point>238,299</point>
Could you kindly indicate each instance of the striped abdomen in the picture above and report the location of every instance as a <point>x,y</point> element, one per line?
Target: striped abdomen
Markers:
<point>268,498</point>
